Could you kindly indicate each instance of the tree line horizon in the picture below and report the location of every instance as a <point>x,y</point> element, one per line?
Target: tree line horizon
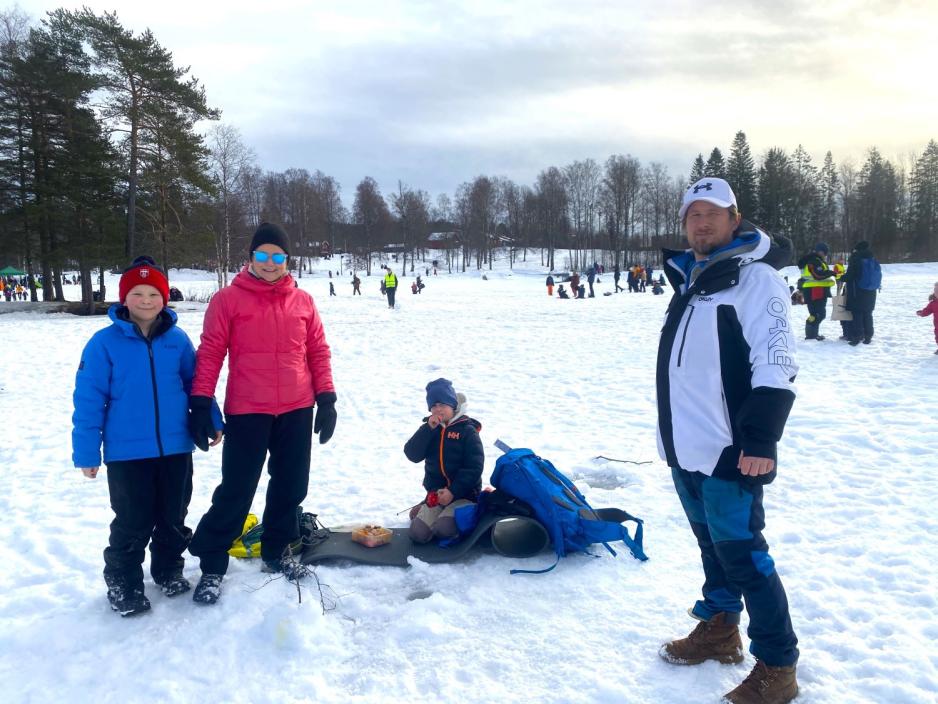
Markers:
<point>101,160</point>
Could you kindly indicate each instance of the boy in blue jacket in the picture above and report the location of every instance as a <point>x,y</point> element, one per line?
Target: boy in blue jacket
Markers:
<point>132,394</point>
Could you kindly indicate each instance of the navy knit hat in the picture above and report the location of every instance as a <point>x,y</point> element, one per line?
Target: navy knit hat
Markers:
<point>441,391</point>
<point>822,247</point>
<point>268,233</point>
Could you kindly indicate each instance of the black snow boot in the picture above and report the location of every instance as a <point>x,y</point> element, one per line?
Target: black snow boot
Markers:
<point>208,590</point>
<point>173,583</point>
<point>125,598</point>
<point>287,566</point>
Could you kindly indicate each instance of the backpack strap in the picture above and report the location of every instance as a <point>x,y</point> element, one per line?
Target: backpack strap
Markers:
<point>605,526</point>
<point>543,571</point>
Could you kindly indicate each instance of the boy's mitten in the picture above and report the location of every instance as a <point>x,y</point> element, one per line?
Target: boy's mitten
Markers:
<point>201,427</point>
<point>324,425</point>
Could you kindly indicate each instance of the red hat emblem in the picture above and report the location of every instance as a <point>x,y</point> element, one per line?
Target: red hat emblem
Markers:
<point>144,273</point>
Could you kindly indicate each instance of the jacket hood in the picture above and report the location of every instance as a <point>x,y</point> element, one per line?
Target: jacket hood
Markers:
<point>749,244</point>
<point>120,316</point>
<point>461,416</point>
<point>249,282</point>
<point>809,258</point>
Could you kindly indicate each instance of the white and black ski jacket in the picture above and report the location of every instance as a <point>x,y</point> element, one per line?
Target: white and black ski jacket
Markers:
<point>726,360</point>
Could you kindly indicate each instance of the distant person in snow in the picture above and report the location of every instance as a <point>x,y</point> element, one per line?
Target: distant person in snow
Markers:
<point>449,446</point>
<point>575,284</point>
<point>550,284</point>
<point>390,285</point>
<point>132,392</point>
<point>616,275</point>
<point>724,395</point>
<point>932,310</point>
<point>861,281</point>
<point>591,279</point>
<point>817,280</point>
<point>331,289</point>
<point>562,293</point>
<point>356,285</point>
<point>279,368</point>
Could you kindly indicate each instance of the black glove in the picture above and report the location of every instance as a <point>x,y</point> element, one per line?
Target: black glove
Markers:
<point>201,427</point>
<point>324,425</point>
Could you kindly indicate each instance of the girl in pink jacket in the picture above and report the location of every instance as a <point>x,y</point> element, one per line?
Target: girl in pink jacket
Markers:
<point>932,309</point>
<point>278,369</point>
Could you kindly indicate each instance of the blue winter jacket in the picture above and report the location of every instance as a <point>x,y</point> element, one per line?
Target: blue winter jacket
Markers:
<point>133,393</point>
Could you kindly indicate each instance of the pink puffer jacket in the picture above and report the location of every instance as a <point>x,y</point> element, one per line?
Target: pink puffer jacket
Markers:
<point>278,358</point>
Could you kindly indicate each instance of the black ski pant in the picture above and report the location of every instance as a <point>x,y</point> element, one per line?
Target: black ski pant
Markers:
<point>862,327</point>
<point>248,440</point>
<point>150,498</point>
<point>817,311</point>
<point>391,291</point>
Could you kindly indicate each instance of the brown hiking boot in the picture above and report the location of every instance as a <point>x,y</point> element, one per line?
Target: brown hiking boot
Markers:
<point>717,639</point>
<point>765,685</point>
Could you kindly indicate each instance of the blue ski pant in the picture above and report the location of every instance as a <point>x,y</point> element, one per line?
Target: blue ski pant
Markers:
<point>727,518</point>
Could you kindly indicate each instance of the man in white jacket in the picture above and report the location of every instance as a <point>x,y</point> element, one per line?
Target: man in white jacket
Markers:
<point>725,374</point>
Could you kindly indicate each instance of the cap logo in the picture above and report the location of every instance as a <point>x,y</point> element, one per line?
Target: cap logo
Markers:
<point>703,187</point>
<point>144,273</point>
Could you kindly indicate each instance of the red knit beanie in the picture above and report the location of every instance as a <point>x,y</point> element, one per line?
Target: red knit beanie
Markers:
<point>143,271</point>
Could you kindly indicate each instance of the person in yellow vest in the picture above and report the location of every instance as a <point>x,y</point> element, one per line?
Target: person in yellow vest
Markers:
<point>839,269</point>
<point>390,285</point>
<point>818,281</point>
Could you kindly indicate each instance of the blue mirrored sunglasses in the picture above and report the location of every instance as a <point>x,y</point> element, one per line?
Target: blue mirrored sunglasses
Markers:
<point>279,257</point>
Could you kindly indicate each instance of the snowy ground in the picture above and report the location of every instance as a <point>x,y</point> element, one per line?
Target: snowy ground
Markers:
<point>851,518</point>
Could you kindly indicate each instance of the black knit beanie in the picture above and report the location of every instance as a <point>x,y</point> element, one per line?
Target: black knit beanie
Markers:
<point>268,233</point>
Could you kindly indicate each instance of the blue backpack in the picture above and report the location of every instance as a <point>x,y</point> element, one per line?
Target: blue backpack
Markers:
<point>570,521</point>
<point>871,275</point>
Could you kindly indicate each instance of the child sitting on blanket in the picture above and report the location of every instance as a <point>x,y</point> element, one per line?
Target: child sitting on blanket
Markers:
<point>449,446</point>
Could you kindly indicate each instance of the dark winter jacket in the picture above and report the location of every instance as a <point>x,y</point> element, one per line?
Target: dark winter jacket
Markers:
<point>453,456</point>
<point>132,393</point>
<point>726,359</point>
<point>858,300</point>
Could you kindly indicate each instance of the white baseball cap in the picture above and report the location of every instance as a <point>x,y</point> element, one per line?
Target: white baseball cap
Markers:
<point>711,189</point>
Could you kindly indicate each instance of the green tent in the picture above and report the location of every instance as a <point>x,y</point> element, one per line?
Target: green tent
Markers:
<point>11,271</point>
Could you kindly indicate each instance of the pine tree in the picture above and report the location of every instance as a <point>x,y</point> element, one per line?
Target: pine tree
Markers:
<point>741,174</point>
<point>698,170</point>
<point>924,188</point>
<point>776,192</point>
<point>878,202</point>
<point>142,86</point>
<point>716,166</point>
<point>803,222</point>
<point>828,189</point>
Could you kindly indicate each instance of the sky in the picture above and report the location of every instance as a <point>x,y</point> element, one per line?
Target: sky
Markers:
<point>436,93</point>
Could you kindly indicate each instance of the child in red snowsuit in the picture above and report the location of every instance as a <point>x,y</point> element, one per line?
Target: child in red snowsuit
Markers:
<point>931,309</point>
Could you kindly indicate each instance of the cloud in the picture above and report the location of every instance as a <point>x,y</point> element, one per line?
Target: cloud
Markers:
<point>435,93</point>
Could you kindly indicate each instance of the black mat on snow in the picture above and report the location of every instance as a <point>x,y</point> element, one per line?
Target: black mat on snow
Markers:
<point>511,536</point>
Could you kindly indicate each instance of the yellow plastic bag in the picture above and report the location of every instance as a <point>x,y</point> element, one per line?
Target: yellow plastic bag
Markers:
<point>248,544</point>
